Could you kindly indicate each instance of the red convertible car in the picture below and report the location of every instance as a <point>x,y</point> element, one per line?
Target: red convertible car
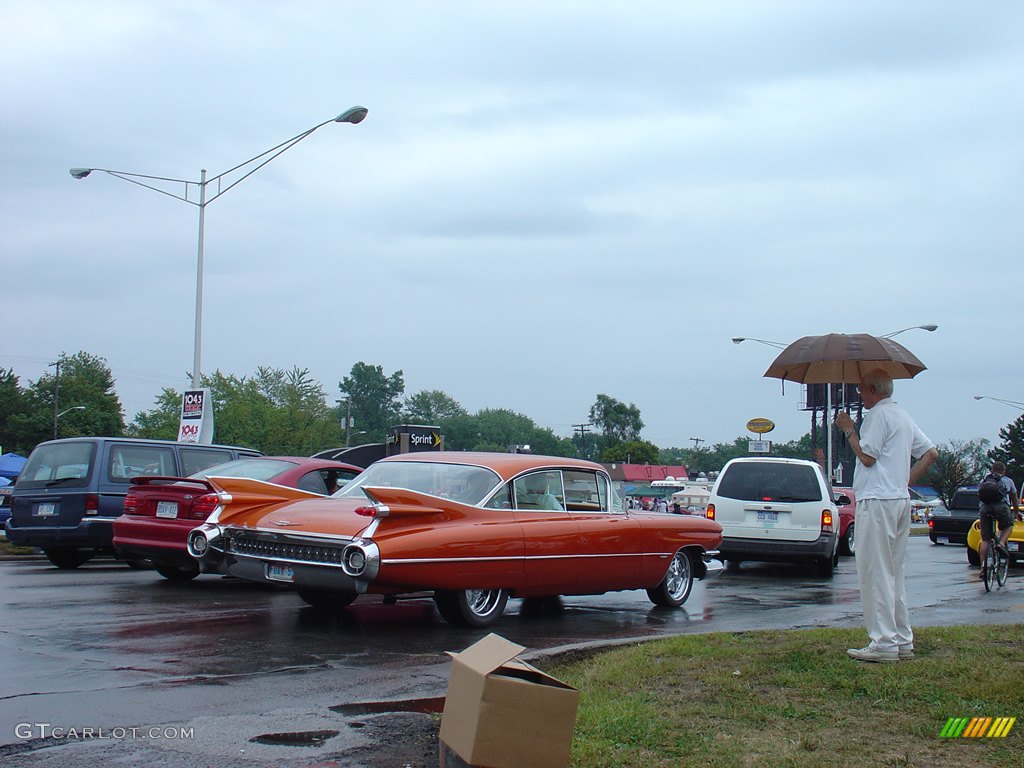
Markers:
<point>472,528</point>
<point>159,512</point>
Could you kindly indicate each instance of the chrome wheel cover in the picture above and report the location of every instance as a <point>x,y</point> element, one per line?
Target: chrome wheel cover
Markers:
<point>677,580</point>
<point>482,602</point>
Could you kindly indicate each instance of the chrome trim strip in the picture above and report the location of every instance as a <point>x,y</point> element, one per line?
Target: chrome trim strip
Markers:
<point>278,533</point>
<point>419,560</point>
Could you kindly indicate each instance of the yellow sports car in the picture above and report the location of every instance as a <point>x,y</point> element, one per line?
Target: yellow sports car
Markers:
<point>1015,545</point>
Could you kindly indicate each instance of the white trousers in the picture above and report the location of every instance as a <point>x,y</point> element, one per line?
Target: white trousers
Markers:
<point>883,526</point>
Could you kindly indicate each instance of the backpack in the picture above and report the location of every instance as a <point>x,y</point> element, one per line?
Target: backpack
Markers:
<point>991,490</point>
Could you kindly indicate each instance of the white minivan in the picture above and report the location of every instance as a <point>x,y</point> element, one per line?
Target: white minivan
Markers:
<point>780,510</point>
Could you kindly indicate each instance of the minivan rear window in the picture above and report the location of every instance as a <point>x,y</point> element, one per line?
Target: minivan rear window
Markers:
<point>65,464</point>
<point>770,482</point>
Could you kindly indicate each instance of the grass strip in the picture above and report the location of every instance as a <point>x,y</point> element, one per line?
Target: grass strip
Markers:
<point>794,698</point>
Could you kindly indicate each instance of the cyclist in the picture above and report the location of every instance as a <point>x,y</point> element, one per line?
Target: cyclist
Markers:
<point>1000,511</point>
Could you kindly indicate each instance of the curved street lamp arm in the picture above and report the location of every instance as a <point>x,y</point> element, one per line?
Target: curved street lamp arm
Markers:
<point>277,151</point>
<point>1011,403</point>
<point>81,173</point>
<point>352,115</point>
<point>776,344</point>
<point>929,327</point>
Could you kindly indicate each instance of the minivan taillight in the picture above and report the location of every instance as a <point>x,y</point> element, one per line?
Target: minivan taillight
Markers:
<point>710,512</point>
<point>92,504</point>
<point>826,521</point>
<point>131,504</point>
<point>204,505</point>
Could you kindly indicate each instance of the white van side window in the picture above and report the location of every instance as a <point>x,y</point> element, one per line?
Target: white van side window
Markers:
<point>128,461</point>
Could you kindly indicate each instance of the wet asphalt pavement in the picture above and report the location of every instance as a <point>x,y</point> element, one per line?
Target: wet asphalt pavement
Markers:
<point>191,674</point>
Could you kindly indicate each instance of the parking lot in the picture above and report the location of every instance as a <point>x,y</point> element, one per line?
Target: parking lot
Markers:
<point>227,661</point>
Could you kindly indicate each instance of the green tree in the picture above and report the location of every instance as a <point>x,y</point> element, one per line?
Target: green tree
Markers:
<point>800,448</point>
<point>1011,450</point>
<point>374,398</point>
<point>616,421</point>
<point>298,421</point>
<point>720,453</point>
<point>431,407</point>
<point>501,430</point>
<point>631,452</point>
<point>86,400</point>
<point>162,422</point>
<point>278,412</point>
<point>960,462</point>
<point>14,431</point>
<point>588,445</point>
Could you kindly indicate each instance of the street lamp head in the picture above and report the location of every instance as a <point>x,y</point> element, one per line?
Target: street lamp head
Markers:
<point>929,327</point>
<point>738,339</point>
<point>80,173</point>
<point>979,397</point>
<point>352,115</point>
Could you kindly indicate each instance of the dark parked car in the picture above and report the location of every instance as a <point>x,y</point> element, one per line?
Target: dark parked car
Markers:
<point>950,525</point>
<point>159,512</point>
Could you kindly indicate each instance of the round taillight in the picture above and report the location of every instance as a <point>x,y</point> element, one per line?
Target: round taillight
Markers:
<point>354,560</point>
<point>197,543</point>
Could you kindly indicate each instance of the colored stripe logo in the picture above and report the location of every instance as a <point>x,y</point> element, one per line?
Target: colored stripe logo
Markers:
<point>977,727</point>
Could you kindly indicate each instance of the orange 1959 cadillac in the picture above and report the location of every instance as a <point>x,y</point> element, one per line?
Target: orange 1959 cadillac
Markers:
<point>473,528</point>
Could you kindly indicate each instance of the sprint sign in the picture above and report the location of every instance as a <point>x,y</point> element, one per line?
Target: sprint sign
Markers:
<point>196,424</point>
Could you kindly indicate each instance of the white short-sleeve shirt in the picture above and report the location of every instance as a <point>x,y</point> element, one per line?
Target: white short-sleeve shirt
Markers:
<point>891,436</point>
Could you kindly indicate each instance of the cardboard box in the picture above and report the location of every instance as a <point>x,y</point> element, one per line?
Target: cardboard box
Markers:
<point>503,713</point>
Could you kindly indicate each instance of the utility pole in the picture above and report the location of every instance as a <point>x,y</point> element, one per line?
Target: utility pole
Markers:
<point>56,395</point>
<point>348,420</point>
<point>582,429</point>
<point>697,441</point>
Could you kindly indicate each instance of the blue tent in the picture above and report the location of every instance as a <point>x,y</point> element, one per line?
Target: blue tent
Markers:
<point>11,464</point>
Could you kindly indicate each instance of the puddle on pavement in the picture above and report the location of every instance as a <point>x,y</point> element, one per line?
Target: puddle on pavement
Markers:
<point>423,706</point>
<point>295,738</point>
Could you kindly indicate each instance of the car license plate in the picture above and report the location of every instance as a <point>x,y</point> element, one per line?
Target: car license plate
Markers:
<point>768,517</point>
<point>1013,546</point>
<point>942,539</point>
<point>46,509</point>
<point>167,509</point>
<point>278,572</point>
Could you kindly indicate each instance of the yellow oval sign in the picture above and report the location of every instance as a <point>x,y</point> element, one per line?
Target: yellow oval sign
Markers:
<point>760,426</point>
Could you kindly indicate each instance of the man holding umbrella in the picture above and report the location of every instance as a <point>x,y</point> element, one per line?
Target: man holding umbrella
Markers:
<point>892,453</point>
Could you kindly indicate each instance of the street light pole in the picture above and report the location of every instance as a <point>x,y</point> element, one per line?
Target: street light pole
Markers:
<point>352,115</point>
<point>58,415</point>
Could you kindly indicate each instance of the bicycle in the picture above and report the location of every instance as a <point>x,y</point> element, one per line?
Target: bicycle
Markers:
<point>996,564</point>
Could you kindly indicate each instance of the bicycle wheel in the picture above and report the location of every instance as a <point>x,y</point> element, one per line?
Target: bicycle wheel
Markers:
<point>989,566</point>
<point>1002,566</point>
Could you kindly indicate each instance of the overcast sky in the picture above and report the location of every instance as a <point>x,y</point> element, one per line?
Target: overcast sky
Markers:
<point>547,201</point>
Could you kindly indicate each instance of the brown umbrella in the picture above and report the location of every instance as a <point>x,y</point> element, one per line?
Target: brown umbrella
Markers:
<point>841,358</point>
